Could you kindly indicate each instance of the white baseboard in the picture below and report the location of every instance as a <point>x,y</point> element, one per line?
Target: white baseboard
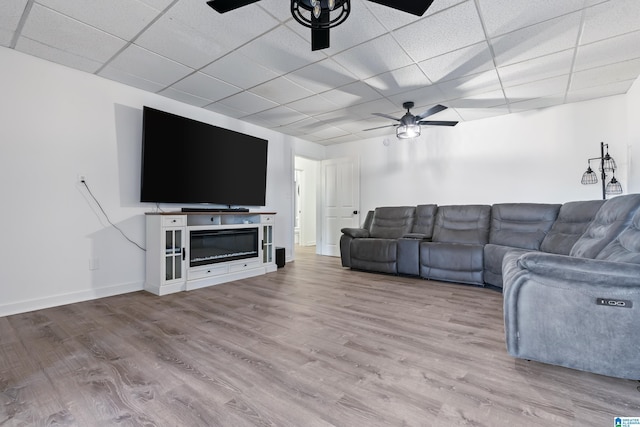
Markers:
<point>70,298</point>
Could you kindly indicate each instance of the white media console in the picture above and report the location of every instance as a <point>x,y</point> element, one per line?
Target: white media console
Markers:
<point>191,250</point>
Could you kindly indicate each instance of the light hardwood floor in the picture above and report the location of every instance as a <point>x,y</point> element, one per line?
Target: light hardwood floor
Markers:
<point>312,344</point>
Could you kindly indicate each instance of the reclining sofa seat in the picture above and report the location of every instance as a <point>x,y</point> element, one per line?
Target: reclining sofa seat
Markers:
<point>515,225</point>
<point>456,252</point>
<point>348,234</point>
<point>378,252</point>
<point>580,310</point>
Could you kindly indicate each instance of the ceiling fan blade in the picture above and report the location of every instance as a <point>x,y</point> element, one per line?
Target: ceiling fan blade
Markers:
<point>415,7</point>
<point>222,6</point>
<point>431,111</point>
<point>386,116</point>
<point>379,127</point>
<point>320,36</point>
<point>437,123</point>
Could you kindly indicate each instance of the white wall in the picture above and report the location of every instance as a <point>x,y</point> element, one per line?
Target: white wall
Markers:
<point>633,118</point>
<point>536,156</point>
<point>58,123</point>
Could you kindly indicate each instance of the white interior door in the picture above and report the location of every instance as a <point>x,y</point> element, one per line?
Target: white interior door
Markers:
<point>340,201</point>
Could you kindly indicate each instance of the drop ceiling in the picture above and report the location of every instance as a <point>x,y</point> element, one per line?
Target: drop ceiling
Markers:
<point>481,58</point>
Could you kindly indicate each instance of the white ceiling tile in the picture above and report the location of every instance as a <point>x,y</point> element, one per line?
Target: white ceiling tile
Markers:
<point>282,51</point>
<point>374,57</point>
<point>399,81</point>
<point>540,88</point>
<point>279,116</point>
<point>157,4</point>
<point>194,34</point>
<point>187,98</point>
<point>539,68</point>
<point>351,94</point>
<point>378,106</point>
<point>207,87</point>
<point>122,18</point>
<point>538,40</point>
<point>459,63</point>
<point>609,51</point>
<point>328,132</point>
<point>322,76</point>
<point>610,19</point>
<point>120,76</point>
<point>427,95</point>
<point>248,103</point>
<point>9,19</point>
<point>45,51</point>
<point>470,85</point>
<point>69,36</point>
<point>483,100</point>
<point>276,8</point>
<point>621,71</point>
<point>436,34</point>
<point>501,17</point>
<point>313,105</point>
<point>393,19</point>
<point>224,110</point>
<point>617,88</point>
<point>142,63</point>
<point>281,90</point>
<point>238,70</point>
<point>537,103</point>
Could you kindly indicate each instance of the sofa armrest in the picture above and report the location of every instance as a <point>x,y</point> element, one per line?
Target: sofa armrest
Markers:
<point>584,270</point>
<point>356,233</point>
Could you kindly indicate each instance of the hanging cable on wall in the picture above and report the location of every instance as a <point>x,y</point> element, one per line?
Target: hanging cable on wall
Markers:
<point>83,181</point>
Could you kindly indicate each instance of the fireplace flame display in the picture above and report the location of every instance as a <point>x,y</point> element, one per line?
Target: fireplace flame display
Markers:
<point>213,246</point>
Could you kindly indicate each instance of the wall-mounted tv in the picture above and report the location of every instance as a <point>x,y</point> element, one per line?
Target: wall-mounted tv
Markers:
<point>187,161</point>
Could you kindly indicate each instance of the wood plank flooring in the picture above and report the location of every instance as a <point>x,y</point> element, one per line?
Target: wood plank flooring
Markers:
<point>312,344</point>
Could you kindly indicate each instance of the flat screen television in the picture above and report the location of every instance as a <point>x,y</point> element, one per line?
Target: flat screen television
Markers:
<point>187,161</point>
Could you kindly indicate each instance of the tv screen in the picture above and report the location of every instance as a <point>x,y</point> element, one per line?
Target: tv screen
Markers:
<point>187,161</point>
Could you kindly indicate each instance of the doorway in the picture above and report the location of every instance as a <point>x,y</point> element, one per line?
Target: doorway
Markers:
<point>305,203</point>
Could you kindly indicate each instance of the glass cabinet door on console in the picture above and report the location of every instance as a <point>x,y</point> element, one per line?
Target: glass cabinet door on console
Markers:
<point>267,244</point>
<point>174,254</point>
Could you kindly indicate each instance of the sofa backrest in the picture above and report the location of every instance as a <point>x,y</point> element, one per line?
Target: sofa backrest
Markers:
<point>573,219</point>
<point>612,218</point>
<point>626,247</point>
<point>392,222</point>
<point>521,225</point>
<point>367,221</point>
<point>425,218</point>
<point>462,224</point>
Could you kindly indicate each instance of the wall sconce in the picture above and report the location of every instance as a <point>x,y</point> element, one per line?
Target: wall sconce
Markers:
<point>607,164</point>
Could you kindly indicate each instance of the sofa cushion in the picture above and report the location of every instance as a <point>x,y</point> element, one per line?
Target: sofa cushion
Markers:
<point>612,218</point>
<point>462,224</point>
<point>573,219</point>
<point>521,225</point>
<point>626,247</point>
<point>423,223</point>
<point>452,262</point>
<point>374,255</point>
<point>392,222</point>
<point>493,257</point>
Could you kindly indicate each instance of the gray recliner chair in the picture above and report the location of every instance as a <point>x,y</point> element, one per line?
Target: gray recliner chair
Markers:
<point>456,252</point>
<point>377,248</point>
<point>580,310</point>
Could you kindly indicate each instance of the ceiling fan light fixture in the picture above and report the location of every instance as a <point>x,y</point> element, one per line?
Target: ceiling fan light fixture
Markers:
<point>331,4</point>
<point>408,131</point>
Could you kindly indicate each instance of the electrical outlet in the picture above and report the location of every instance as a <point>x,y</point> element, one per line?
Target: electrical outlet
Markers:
<point>82,178</point>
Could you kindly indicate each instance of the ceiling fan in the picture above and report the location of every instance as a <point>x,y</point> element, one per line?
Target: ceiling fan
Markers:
<point>321,15</point>
<point>409,126</point>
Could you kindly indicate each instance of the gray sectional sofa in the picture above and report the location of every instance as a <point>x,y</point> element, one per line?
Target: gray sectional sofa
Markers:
<point>570,273</point>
